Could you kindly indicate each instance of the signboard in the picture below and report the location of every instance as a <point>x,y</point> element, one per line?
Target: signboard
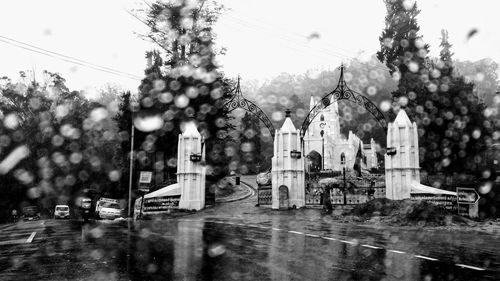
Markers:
<point>161,203</point>
<point>469,198</point>
<point>195,157</point>
<point>463,210</point>
<point>467,195</point>
<point>391,151</point>
<point>449,202</point>
<point>145,177</point>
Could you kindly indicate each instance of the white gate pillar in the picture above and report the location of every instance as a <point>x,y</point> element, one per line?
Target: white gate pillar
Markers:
<point>401,160</point>
<point>190,170</point>
<point>288,165</point>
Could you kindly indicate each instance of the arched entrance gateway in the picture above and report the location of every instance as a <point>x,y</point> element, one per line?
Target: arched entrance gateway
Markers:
<point>238,101</point>
<point>293,151</point>
<point>289,187</point>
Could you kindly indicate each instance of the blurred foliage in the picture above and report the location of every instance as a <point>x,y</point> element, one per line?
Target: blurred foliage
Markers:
<point>250,146</point>
<point>484,74</point>
<point>453,129</point>
<point>70,145</point>
<point>182,84</point>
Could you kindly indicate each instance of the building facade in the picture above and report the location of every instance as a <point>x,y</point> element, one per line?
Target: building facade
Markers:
<point>323,137</point>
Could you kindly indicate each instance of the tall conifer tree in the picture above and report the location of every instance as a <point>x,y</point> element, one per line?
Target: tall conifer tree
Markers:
<point>183,84</point>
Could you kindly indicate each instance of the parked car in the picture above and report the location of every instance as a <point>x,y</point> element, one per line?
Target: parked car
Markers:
<point>100,203</point>
<point>61,212</point>
<point>109,210</point>
<point>31,213</point>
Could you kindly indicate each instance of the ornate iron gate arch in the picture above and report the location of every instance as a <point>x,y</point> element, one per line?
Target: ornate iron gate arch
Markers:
<point>343,92</point>
<point>238,101</point>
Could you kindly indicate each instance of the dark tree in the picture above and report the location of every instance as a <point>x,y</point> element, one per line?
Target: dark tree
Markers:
<point>68,143</point>
<point>449,116</point>
<point>456,129</point>
<point>405,54</point>
<point>182,84</point>
<point>445,54</point>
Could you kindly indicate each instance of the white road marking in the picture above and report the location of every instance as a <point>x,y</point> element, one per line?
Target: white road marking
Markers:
<point>12,242</point>
<point>370,246</point>
<point>330,238</point>
<point>295,232</point>
<point>348,242</point>
<point>276,229</point>
<point>425,258</point>
<point>263,227</point>
<point>312,235</point>
<point>396,251</point>
<point>30,239</point>
<point>469,266</point>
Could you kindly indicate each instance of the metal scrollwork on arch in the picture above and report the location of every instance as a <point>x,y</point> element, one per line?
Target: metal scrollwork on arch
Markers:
<point>238,101</point>
<point>342,92</point>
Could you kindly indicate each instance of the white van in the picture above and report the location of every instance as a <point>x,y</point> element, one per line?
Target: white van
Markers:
<point>61,212</point>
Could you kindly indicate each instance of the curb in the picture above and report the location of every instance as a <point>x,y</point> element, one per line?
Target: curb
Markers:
<point>244,196</point>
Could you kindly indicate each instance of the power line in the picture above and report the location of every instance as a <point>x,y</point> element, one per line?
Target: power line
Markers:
<point>259,28</point>
<point>264,21</point>
<point>295,43</point>
<point>69,59</point>
<point>286,37</point>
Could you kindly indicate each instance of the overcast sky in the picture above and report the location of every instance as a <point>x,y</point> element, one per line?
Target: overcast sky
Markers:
<point>263,37</point>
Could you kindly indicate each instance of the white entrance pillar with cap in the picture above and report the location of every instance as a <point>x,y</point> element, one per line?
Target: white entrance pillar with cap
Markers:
<point>401,160</point>
<point>190,168</point>
<point>288,165</point>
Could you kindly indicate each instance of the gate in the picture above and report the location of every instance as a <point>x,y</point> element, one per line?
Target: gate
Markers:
<point>238,101</point>
<point>357,191</point>
<point>284,201</point>
<point>264,195</point>
<point>314,195</point>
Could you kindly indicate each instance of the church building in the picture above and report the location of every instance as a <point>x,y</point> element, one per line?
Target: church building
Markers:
<point>323,137</point>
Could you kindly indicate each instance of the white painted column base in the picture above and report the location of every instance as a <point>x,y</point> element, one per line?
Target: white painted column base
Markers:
<point>191,205</point>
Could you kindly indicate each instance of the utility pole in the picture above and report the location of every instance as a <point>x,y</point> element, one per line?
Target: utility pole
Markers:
<point>322,133</point>
<point>343,163</point>
<point>131,168</point>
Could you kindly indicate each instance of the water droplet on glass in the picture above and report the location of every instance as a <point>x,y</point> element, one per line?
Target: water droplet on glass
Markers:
<point>11,121</point>
<point>181,101</point>
<point>148,123</point>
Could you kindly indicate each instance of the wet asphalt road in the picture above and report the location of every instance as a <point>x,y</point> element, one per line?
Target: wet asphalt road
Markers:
<point>237,241</point>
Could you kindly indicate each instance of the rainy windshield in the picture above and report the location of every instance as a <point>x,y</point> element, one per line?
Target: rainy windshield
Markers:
<point>250,140</point>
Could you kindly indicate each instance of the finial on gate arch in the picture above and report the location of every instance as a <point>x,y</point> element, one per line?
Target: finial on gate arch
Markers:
<point>288,113</point>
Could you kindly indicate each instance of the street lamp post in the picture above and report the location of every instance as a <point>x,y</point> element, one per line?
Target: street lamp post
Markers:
<point>342,162</point>
<point>131,168</point>
<point>322,133</point>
